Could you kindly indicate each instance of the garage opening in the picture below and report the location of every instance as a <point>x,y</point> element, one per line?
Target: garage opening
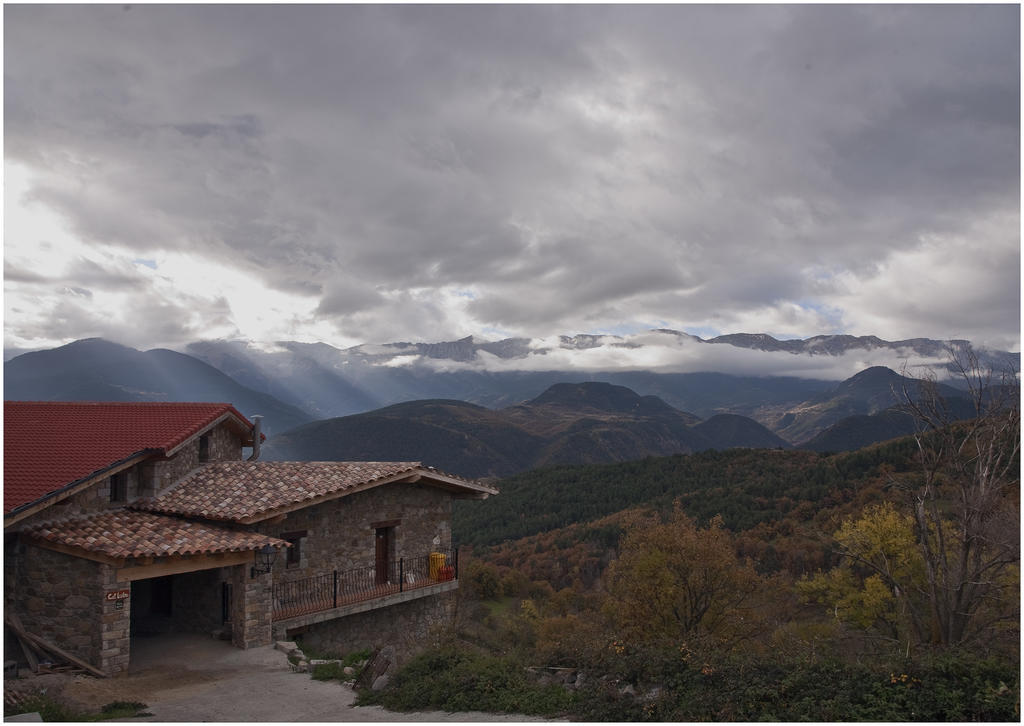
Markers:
<point>192,602</point>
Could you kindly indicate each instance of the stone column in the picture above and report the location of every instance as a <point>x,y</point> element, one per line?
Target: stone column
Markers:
<point>116,619</point>
<point>250,608</point>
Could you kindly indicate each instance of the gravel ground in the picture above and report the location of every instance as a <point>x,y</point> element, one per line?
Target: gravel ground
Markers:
<point>196,678</point>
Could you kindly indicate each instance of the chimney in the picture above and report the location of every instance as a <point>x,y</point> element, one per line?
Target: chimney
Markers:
<point>256,436</point>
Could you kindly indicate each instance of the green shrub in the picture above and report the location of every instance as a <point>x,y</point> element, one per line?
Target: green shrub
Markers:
<point>121,709</point>
<point>52,710</point>
<point>48,708</point>
<point>356,657</point>
<point>332,671</point>
<point>952,688</point>
<point>450,679</point>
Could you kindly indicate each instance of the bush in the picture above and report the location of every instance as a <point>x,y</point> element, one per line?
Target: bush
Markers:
<point>328,672</point>
<point>951,688</point>
<point>47,707</point>
<point>451,679</point>
<point>52,710</point>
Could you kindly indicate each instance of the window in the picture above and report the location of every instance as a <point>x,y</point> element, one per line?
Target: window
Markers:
<point>204,448</point>
<point>294,553</point>
<point>119,487</point>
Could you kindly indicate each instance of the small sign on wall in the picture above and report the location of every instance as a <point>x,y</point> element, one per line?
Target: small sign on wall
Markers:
<point>118,596</point>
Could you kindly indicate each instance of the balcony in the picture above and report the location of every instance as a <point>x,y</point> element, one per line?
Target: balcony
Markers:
<point>363,585</point>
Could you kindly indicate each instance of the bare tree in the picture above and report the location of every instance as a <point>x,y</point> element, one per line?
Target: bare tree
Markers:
<point>965,500</point>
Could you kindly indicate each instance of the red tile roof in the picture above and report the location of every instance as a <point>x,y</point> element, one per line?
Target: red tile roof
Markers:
<point>121,533</point>
<point>49,445</point>
<point>242,491</point>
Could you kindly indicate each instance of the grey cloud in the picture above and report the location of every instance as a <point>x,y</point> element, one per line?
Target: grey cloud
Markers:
<point>681,163</point>
<point>13,273</point>
<point>345,297</point>
<point>79,270</point>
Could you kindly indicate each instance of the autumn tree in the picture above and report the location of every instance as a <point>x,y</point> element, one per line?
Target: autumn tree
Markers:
<point>965,500</point>
<point>879,586</point>
<point>941,560</point>
<point>676,581</point>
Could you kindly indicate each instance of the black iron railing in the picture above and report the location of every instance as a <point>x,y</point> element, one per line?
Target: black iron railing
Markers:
<point>344,587</point>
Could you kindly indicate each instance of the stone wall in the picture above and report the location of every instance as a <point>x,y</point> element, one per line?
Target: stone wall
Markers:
<point>196,605</point>
<point>407,627</point>
<point>61,599</point>
<point>225,445</point>
<point>340,533</point>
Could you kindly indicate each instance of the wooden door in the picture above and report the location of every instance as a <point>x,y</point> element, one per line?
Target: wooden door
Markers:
<point>383,551</point>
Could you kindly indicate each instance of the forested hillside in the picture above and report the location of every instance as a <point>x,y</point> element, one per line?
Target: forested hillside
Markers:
<point>880,585</point>
<point>745,486</point>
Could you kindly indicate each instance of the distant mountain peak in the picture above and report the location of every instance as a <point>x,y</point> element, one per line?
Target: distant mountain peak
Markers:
<point>600,396</point>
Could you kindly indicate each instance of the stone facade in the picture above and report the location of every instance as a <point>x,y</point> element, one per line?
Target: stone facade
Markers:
<point>407,627</point>
<point>340,533</point>
<point>62,600</point>
<point>196,605</point>
<point>225,444</point>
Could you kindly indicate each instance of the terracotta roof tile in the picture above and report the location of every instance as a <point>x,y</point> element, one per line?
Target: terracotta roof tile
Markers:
<point>240,490</point>
<point>121,533</point>
<point>49,445</point>
<point>244,490</point>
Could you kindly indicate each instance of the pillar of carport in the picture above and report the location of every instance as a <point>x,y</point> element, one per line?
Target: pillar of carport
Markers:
<point>250,607</point>
<point>116,620</point>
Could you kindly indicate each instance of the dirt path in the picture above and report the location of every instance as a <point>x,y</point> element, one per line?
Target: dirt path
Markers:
<point>196,678</point>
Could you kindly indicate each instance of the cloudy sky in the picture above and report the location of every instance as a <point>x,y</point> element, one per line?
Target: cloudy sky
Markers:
<point>355,174</point>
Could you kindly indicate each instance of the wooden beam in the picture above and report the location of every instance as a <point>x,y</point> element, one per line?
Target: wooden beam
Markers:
<point>181,565</point>
<point>50,647</point>
<point>26,646</point>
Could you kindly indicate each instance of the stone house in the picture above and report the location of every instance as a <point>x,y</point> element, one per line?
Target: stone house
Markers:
<point>125,520</point>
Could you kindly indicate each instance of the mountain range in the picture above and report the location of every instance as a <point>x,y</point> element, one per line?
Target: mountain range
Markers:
<point>569,423</point>
<point>752,375</point>
<point>325,403</point>
<point>98,370</point>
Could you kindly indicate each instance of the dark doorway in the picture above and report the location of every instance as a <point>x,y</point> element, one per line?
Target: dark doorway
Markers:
<point>163,596</point>
<point>152,605</point>
<point>385,539</point>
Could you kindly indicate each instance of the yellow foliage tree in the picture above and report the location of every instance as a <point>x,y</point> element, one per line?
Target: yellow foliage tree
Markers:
<point>881,561</point>
<point>679,582</point>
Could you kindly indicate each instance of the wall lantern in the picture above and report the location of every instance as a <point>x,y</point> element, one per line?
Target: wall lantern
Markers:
<point>265,557</point>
